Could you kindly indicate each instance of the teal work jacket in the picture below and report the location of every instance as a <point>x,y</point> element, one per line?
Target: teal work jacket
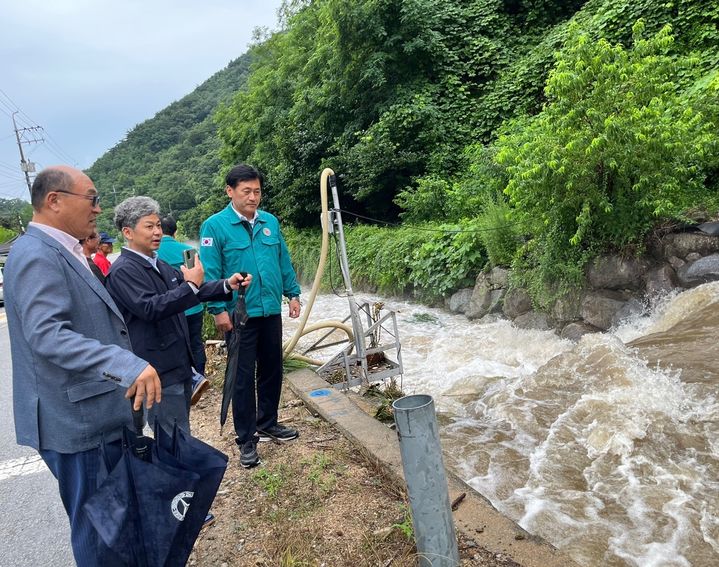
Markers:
<point>170,251</point>
<point>228,245</point>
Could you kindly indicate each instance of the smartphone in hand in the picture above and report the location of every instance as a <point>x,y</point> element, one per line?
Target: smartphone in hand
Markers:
<point>188,257</point>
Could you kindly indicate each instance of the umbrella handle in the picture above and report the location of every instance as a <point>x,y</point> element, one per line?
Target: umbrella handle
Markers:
<point>138,418</point>
<point>241,290</point>
<point>138,422</point>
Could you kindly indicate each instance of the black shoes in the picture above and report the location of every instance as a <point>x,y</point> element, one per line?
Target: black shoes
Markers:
<point>248,450</point>
<point>248,454</point>
<point>278,433</point>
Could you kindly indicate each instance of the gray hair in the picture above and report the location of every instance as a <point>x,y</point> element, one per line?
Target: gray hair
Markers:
<point>130,211</point>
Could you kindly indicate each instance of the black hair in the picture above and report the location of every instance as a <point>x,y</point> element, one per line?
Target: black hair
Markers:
<point>46,181</point>
<point>242,172</point>
<point>169,226</point>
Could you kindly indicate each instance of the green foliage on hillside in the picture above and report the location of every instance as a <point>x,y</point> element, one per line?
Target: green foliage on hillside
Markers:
<point>382,91</point>
<point>173,157</point>
<point>424,261</point>
<point>530,133</point>
<point>6,234</point>
<point>14,216</point>
<point>618,146</point>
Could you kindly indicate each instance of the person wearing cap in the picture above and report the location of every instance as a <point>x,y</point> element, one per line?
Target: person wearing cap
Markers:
<point>103,251</point>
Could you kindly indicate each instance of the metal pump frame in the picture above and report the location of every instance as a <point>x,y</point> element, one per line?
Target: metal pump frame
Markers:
<point>355,354</point>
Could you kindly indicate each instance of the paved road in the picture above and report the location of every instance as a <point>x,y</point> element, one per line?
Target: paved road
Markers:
<point>33,526</point>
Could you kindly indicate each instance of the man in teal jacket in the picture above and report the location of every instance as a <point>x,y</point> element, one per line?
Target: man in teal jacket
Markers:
<point>243,238</point>
<point>170,251</point>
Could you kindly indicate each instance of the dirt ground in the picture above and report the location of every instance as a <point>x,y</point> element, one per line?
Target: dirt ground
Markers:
<point>313,502</point>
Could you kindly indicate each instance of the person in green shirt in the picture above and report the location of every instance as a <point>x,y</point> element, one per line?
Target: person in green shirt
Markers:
<point>170,251</point>
<point>244,238</point>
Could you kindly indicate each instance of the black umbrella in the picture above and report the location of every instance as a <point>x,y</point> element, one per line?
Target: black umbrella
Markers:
<point>183,451</point>
<point>144,510</point>
<point>239,320</point>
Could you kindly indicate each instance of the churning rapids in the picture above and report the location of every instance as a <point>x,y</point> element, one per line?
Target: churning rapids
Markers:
<point>608,448</point>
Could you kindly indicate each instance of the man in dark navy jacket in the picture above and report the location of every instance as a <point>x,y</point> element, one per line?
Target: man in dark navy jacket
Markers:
<point>152,297</point>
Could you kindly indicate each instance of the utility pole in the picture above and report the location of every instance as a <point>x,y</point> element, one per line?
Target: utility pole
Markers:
<point>26,136</point>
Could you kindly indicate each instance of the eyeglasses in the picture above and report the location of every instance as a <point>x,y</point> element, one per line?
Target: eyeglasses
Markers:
<point>94,198</point>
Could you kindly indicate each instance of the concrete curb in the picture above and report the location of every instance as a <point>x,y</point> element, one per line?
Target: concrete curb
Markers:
<point>475,515</point>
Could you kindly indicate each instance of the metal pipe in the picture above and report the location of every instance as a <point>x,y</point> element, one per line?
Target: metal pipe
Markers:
<point>345,265</point>
<point>426,481</point>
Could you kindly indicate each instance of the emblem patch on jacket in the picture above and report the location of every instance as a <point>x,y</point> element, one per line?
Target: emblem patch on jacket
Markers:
<point>206,242</point>
<point>266,231</point>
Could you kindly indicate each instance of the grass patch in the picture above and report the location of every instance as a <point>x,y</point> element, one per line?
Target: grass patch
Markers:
<point>270,480</point>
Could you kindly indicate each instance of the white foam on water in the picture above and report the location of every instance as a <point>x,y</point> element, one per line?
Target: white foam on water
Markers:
<point>612,460</point>
<point>666,311</point>
<point>617,452</point>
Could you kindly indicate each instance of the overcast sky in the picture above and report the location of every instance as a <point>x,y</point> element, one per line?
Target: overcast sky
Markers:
<point>88,71</point>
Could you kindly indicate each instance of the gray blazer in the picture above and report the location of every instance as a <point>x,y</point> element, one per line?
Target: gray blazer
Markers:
<point>70,349</point>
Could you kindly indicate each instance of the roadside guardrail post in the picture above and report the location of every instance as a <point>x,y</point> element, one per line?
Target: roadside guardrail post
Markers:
<point>426,481</point>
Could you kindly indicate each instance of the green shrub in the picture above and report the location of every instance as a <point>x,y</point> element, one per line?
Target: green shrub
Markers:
<point>6,234</point>
<point>447,260</point>
<point>427,261</point>
<point>209,330</point>
<point>426,201</point>
<point>618,147</point>
<point>499,234</point>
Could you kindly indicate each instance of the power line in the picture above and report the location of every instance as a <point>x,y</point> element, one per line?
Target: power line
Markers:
<point>2,92</point>
<point>55,149</point>
<point>4,176</point>
<point>9,167</point>
<point>17,193</point>
<point>414,227</point>
<point>5,108</point>
<point>27,131</point>
<point>7,180</point>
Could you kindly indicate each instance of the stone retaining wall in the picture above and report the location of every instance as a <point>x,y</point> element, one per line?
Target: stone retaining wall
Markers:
<point>615,287</point>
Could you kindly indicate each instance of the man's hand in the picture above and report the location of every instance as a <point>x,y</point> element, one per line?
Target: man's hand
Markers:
<point>146,387</point>
<point>235,280</point>
<point>223,322</point>
<point>295,308</point>
<point>196,274</point>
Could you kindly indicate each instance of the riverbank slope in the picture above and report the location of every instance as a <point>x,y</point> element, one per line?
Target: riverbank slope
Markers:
<point>332,498</point>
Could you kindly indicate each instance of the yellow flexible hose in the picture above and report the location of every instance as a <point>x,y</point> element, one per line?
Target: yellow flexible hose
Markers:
<point>301,330</point>
<point>303,358</point>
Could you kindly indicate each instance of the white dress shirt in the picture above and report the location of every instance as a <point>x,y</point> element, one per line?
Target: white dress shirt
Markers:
<point>68,241</point>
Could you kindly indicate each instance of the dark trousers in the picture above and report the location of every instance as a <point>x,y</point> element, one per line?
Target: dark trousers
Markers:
<point>255,401</point>
<point>76,475</point>
<point>194,325</point>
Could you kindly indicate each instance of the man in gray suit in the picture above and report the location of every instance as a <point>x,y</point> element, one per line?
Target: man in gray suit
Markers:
<point>72,362</point>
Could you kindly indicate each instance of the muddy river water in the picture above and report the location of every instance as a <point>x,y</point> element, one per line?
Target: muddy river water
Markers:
<point>608,448</point>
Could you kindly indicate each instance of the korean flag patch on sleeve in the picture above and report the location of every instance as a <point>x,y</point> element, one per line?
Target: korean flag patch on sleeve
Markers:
<point>206,242</point>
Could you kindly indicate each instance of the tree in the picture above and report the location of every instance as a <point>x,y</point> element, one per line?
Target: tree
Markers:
<point>618,147</point>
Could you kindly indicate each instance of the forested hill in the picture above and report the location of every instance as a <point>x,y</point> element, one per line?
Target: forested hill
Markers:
<point>173,157</point>
<point>549,130</point>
